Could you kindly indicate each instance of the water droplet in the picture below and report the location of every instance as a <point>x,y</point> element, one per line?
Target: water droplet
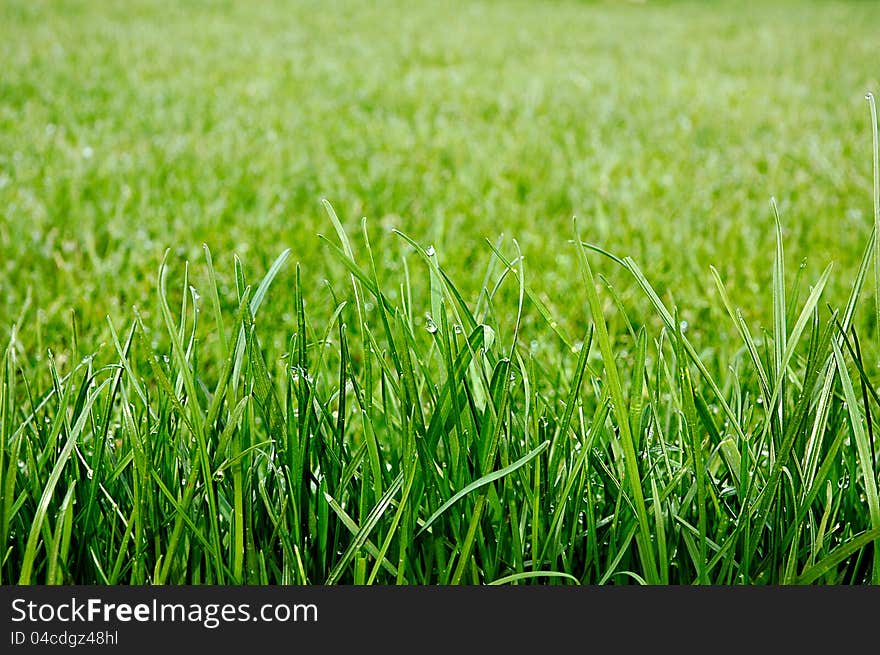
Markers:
<point>683,326</point>
<point>87,152</point>
<point>430,252</point>
<point>760,400</point>
<point>218,476</point>
<point>457,328</point>
<point>430,326</point>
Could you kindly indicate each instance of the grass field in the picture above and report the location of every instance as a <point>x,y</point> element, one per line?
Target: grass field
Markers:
<point>469,386</point>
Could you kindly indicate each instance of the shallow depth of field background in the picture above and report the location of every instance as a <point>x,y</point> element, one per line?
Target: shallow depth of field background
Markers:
<point>130,127</point>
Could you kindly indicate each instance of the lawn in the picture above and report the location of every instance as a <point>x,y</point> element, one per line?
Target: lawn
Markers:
<point>438,293</point>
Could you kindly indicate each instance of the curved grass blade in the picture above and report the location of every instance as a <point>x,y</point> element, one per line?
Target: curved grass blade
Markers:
<point>525,575</point>
<point>486,479</point>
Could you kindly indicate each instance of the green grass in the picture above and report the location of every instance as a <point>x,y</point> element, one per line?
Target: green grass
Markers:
<point>662,391</point>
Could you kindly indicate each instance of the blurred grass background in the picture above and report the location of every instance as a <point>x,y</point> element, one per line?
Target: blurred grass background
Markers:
<point>665,127</point>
